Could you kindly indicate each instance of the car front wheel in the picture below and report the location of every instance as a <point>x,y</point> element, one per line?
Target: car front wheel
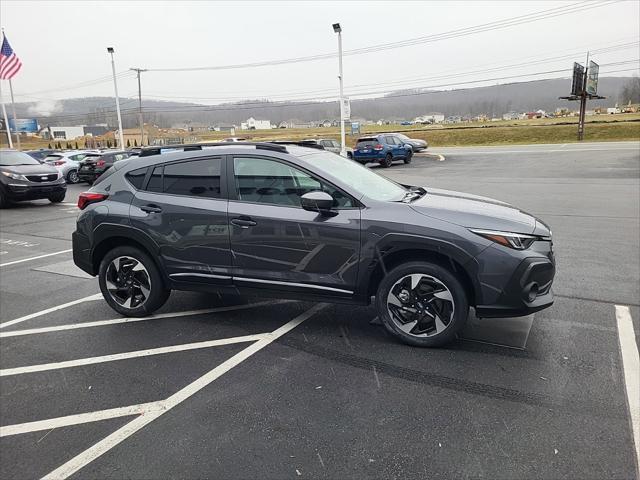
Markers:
<point>422,304</point>
<point>57,198</point>
<point>408,157</point>
<point>131,282</point>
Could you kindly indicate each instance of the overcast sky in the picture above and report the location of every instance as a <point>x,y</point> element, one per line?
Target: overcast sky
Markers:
<point>63,44</point>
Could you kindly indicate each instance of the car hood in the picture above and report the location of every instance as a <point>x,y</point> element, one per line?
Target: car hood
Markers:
<point>473,211</point>
<point>42,169</point>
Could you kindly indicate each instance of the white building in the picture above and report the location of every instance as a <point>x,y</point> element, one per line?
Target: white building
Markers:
<point>253,124</point>
<point>433,117</point>
<point>67,133</point>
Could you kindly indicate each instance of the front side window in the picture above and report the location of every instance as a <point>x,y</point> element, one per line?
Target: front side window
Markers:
<point>196,178</point>
<point>390,140</point>
<point>261,180</point>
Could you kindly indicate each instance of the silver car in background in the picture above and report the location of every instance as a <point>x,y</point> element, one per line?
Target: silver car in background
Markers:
<point>67,163</point>
<point>330,145</point>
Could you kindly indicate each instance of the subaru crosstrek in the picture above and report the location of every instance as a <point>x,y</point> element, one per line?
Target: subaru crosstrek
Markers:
<point>302,223</point>
<point>384,149</point>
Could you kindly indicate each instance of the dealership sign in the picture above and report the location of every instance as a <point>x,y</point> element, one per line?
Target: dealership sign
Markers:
<point>23,125</point>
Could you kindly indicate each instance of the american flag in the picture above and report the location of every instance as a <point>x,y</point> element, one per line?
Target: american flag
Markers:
<point>10,64</point>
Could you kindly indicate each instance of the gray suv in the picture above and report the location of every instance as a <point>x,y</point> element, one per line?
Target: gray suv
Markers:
<point>303,223</point>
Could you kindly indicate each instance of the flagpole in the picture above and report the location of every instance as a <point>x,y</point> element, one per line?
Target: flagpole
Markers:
<point>6,122</point>
<point>15,117</point>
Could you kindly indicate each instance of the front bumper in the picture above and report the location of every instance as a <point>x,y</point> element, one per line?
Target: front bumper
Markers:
<point>30,191</point>
<point>527,291</point>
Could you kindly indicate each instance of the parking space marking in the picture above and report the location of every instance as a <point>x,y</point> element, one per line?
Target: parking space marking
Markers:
<point>79,419</point>
<point>34,258</point>
<point>631,370</point>
<point>124,432</point>
<point>128,355</point>
<point>115,321</point>
<point>90,298</point>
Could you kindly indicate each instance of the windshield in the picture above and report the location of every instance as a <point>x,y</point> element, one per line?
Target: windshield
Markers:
<point>17,158</point>
<point>404,137</point>
<point>359,177</point>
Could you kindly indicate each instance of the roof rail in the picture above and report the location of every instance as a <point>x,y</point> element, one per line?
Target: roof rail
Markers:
<point>157,150</point>
<point>300,143</point>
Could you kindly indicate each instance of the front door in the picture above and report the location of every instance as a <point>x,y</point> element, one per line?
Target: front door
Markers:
<point>276,244</point>
<point>184,209</point>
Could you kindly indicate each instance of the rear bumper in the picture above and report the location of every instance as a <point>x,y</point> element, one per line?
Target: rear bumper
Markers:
<point>19,192</point>
<point>368,157</point>
<point>82,253</point>
<point>528,291</point>
<point>89,175</point>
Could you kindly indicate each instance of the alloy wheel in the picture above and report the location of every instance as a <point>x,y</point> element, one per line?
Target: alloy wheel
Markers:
<point>128,282</point>
<point>420,305</point>
<point>73,177</point>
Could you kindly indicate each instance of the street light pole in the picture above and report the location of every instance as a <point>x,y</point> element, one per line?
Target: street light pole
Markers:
<point>115,86</point>
<point>343,147</point>
<point>140,120</point>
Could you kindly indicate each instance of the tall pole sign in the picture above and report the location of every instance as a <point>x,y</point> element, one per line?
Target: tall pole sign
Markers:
<point>584,86</point>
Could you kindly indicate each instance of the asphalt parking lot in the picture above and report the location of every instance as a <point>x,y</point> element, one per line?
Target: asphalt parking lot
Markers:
<point>230,387</point>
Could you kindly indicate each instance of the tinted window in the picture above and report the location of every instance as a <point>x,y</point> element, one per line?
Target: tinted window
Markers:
<point>155,182</point>
<point>367,142</point>
<point>390,140</point>
<point>197,178</point>
<point>136,177</point>
<point>261,180</point>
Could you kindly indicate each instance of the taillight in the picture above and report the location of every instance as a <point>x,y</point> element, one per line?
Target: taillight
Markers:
<point>378,147</point>
<point>87,198</point>
<point>100,163</point>
<point>59,162</point>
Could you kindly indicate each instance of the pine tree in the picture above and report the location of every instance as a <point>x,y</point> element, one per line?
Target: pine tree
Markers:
<point>135,142</point>
<point>77,146</point>
<point>128,143</point>
<point>49,146</point>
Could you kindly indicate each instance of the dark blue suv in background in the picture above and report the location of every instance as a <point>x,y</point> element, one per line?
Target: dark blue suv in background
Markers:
<point>383,149</point>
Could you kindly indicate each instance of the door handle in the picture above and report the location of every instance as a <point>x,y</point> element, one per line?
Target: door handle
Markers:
<point>243,221</point>
<point>151,208</point>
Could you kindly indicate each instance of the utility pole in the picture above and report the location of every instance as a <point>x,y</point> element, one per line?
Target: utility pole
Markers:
<point>115,86</point>
<point>140,120</point>
<point>343,147</point>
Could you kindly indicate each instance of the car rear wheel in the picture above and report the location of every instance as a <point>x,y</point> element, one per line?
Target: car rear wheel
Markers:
<point>422,304</point>
<point>388,161</point>
<point>57,198</point>
<point>131,283</point>
<point>72,177</point>
<point>408,157</point>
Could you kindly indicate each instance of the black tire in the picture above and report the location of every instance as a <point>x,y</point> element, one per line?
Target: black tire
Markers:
<point>409,157</point>
<point>158,293</point>
<point>388,161</point>
<point>457,309</point>
<point>350,155</point>
<point>58,197</point>
<point>72,177</point>
<point>4,201</point>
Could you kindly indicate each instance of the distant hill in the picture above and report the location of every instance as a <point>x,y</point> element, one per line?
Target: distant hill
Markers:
<point>492,101</point>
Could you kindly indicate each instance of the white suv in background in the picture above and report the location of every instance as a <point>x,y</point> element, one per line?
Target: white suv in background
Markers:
<point>67,163</point>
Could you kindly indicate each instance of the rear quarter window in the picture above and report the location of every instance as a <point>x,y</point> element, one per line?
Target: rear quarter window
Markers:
<point>136,177</point>
<point>367,142</point>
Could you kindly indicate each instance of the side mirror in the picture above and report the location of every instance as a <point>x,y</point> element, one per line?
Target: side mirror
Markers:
<point>317,201</point>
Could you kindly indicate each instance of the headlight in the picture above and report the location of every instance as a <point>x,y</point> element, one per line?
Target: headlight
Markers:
<point>517,241</point>
<point>15,176</point>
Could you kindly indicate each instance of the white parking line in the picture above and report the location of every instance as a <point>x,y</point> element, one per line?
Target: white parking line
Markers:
<point>124,432</point>
<point>128,355</point>
<point>90,298</point>
<point>34,258</point>
<point>631,368</point>
<point>115,321</point>
<point>78,419</point>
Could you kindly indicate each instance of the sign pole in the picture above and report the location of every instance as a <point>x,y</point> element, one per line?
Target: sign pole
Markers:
<point>15,117</point>
<point>6,124</point>
<point>583,101</point>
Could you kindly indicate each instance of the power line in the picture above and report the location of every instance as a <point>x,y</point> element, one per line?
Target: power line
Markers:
<point>496,25</point>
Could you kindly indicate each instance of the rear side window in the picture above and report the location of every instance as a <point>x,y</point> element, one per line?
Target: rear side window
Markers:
<point>136,177</point>
<point>196,178</point>
<point>155,182</point>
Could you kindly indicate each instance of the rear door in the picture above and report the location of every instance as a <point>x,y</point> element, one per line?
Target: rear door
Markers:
<point>396,148</point>
<point>183,208</point>
<point>366,148</point>
<point>278,245</point>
